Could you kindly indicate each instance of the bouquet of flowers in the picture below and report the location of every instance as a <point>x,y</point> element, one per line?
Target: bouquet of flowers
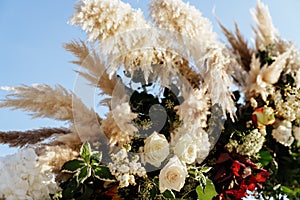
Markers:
<point>185,116</point>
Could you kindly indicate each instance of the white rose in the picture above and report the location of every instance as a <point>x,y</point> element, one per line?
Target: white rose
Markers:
<point>172,176</point>
<point>283,133</point>
<point>186,149</point>
<point>156,149</point>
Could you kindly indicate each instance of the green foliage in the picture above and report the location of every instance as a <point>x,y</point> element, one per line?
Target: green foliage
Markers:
<point>87,176</point>
<point>207,192</point>
<point>265,158</point>
<point>168,194</point>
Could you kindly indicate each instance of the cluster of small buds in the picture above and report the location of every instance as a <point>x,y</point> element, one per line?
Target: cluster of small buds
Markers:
<point>288,106</point>
<point>124,170</point>
<point>252,143</point>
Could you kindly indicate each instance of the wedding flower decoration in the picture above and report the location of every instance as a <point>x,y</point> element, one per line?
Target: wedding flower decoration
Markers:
<point>187,117</point>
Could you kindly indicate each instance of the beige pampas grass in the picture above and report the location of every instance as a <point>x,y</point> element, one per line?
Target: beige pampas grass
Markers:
<point>260,80</point>
<point>103,19</point>
<point>94,66</point>
<point>239,46</point>
<point>118,125</point>
<point>196,34</point>
<point>42,101</point>
<point>266,33</point>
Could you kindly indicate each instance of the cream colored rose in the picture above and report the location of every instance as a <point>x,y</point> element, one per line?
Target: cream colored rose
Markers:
<point>283,133</point>
<point>156,149</point>
<point>186,149</point>
<point>172,176</point>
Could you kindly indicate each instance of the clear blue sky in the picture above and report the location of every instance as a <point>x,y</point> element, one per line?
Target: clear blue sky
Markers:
<point>32,33</point>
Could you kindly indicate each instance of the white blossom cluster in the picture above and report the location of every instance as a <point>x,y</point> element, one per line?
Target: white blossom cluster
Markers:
<point>288,107</point>
<point>124,170</point>
<point>252,143</point>
<point>21,177</point>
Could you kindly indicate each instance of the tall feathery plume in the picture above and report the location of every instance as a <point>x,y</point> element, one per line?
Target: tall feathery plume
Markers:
<point>197,34</point>
<point>85,126</point>
<point>266,33</point>
<point>90,60</point>
<point>239,47</point>
<point>241,52</point>
<point>56,103</point>
<point>42,101</point>
<point>22,138</point>
<point>115,25</point>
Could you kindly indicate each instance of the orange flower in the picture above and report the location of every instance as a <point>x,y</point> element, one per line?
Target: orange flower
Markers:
<point>263,116</point>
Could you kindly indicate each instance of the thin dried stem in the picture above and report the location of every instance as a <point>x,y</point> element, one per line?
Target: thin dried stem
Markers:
<point>22,138</point>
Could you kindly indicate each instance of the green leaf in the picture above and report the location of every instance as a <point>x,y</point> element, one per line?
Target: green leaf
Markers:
<point>96,158</point>
<point>286,190</point>
<point>83,174</point>
<point>208,193</point>
<point>70,190</point>
<point>265,157</point>
<point>85,152</point>
<point>103,173</point>
<point>72,166</point>
<point>86,194</point>
<point>168,194</point>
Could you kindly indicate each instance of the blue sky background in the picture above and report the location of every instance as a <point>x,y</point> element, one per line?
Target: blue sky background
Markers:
<point>32,33</point>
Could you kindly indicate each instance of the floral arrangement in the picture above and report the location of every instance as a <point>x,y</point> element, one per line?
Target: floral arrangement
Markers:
<point>188,116</point>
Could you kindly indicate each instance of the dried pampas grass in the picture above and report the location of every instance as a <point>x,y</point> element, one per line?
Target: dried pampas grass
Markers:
<point>94,66</point>
<point>42,101</point>
<point>22,138</point>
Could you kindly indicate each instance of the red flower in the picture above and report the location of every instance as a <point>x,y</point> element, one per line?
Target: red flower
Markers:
<point>234,174</point>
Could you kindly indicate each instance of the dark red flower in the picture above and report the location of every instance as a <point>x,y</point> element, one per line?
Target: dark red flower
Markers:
<point>233,175</point>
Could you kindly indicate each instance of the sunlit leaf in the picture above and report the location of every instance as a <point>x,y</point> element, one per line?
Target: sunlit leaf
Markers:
<point>208,193</point>
<point>85,152</point>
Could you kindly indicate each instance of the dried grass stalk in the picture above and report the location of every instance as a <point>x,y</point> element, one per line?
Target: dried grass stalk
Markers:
<point>22,138</point>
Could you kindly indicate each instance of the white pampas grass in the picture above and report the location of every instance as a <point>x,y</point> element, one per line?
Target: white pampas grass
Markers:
<point>102,19</point>
<point>266,33</point>
<point>118,125</point>
<point>196,34</point>
<point>260,80</point>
